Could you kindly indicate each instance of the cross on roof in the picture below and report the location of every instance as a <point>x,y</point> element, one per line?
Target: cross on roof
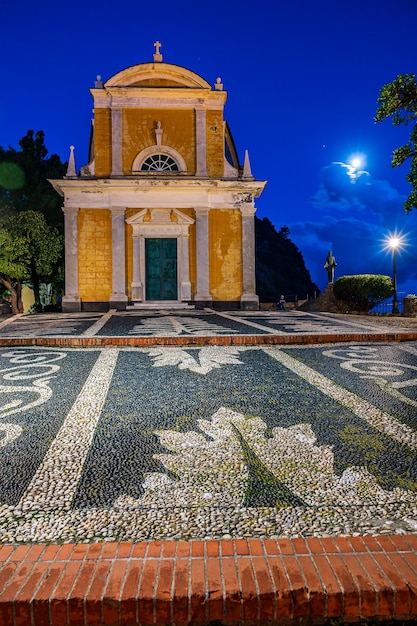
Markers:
<point>157,56</point>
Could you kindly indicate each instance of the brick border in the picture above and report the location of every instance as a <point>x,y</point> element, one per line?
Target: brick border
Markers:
<point>207,340</point>
<point>240,581</point>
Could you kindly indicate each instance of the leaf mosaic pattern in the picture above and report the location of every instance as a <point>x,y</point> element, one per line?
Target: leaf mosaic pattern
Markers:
<point>206,360</point>
<point>232,463</point>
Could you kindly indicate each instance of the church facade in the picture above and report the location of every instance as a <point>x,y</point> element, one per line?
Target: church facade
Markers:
<point>163,214</point>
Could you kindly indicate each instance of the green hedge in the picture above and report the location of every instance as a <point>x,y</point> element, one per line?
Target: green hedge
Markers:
<point>363,291</point>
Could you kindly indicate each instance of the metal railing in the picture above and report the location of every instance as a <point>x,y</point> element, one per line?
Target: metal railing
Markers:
<point>385,308</point>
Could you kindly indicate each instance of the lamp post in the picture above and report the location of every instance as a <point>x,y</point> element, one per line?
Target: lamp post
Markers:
<point>394,242</point>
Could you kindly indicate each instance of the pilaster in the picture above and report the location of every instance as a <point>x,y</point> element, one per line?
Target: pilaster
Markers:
<point>185,284</point>
<point>201,141</point>
<point>202,245</point>
<point>116,142</point>
<point>118,298</point>
<point>71,301</point>
<point>137,283</point>
<point>249,300</point>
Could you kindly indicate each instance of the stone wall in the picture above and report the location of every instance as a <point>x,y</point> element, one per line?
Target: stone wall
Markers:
<point>410,306</point>
<point>325,302</point>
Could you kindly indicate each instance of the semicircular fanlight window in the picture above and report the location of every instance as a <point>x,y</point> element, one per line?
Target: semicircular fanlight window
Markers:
<point>159,163</point>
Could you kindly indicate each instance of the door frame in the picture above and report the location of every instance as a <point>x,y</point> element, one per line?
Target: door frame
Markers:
<point>145,286</point>
<point>160,224</point>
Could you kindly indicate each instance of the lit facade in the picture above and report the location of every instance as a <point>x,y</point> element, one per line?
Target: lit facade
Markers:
<point>164,213</point>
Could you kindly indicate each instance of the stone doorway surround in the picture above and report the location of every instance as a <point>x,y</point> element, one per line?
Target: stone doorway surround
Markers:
<point>160,223</point>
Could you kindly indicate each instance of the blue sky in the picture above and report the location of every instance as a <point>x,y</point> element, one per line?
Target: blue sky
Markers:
<point>302,76</point>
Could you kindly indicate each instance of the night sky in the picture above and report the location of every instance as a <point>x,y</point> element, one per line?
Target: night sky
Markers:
<point>302,76</point>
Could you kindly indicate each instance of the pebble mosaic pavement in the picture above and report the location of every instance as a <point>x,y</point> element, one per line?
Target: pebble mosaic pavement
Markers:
<point>204,442</point>
<point>178,323</point>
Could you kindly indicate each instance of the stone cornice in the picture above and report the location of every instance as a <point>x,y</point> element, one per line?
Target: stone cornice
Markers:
<point>152,98</point>
<point>149,193</point>
<point>255,187</point>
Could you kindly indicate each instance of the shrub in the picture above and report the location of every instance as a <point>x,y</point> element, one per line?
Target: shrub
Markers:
<point>362,292</point>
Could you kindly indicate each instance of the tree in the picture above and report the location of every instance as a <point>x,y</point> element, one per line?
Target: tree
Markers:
<point>29,202</point>
<point>363,291</point>
<point>29,250</point>
<point>280,267</point>
<point>24,182</point>
<point>399,100</point>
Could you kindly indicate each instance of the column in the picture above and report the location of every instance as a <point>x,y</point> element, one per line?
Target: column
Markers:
<point>185,268</point>
<point>118,298</point>
<point>202,253</point>
<point>201,141</point>
<point>249,299</point>
<point>137,291</point>
<point>116,142</point>
<point>71,301</point>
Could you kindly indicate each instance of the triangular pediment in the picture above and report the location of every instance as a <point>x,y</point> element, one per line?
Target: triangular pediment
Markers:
<point>162,217</point>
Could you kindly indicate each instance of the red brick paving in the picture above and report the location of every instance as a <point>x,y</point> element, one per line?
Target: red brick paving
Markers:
<point>226,340</point>
<point>303,581</point>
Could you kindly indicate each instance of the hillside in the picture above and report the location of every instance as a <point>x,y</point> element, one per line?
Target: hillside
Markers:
<point>280,267</point>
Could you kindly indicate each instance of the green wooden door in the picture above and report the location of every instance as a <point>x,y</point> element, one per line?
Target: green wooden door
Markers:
<point>161,269</point>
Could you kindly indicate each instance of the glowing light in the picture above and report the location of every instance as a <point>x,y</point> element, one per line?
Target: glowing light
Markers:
<point>357,161</point>
<point>394,241</point>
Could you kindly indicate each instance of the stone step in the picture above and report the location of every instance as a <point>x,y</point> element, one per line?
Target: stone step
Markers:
<point>160,305</point>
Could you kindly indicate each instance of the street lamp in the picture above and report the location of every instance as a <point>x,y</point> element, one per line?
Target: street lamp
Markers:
<point>394,243</point>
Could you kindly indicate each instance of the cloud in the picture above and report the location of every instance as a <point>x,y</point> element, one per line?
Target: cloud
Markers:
<point>344,189</point>
<point>354,216</point>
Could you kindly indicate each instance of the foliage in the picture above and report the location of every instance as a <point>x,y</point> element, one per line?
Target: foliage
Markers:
<point>363,291</point>
<point>29,250</point>
<point>280,267</point>
<point>31,219</point>
<point>398,100</point>
<point>24,177</point>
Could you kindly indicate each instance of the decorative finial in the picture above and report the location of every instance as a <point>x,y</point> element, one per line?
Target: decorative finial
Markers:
<point>219,85</point>
<point>71,169</point>
<point>157,57</point>
<point>247,172</point>
<point>98,84</point>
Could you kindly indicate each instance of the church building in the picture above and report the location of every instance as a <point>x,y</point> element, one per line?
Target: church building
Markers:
<point>163,214</point>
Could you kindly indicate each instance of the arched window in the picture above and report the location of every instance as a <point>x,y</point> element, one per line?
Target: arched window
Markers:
<point>159,163</point>
<point>158,159</point>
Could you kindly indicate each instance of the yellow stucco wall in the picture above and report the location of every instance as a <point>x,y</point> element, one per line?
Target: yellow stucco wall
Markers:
<point>225,243</point>
<point>102,142</point>
<point>215,144</point>
<point>28,298</point>
<point>94,255</point>
<point>138,131</point>
<point>178,126</point>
